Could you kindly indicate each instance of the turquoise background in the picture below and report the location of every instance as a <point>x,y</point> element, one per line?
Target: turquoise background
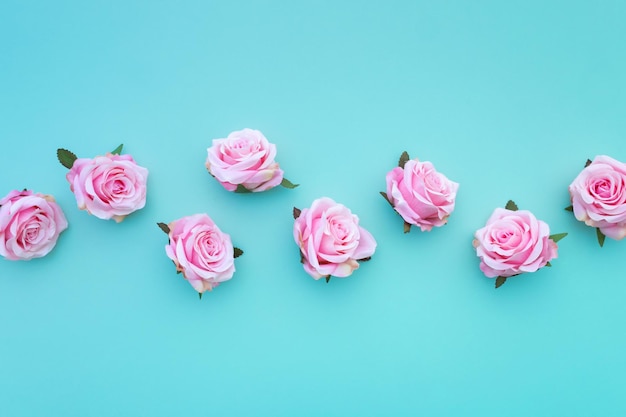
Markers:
<point>508,98</point>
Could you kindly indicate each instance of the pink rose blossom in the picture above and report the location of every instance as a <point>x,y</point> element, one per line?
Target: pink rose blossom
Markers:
<point>244,158</point>
<point>201,251</point>
<point>513,242</point>
<point>110,186</point>
<point>331,240</point>
<point>599,196</point>
<point>420,194</point>
<point>30,225</point>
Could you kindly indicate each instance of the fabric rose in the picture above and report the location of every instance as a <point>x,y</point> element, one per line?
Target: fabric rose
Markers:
<point>330,239</point>
<point>201,251</point>
<point>513,242</point>
<point>109,187</point>
<point>598,196</point>
<point>30,225</point>
<point>422,196</point>
<point>244,162</point>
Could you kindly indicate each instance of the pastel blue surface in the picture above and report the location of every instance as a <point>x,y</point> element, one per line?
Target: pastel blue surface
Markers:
<point>507,98</point>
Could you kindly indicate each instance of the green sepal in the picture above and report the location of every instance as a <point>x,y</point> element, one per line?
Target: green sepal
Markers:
<point>200,296</point>
<point>66,158</point>
<point>327,278</point>
<point>296,212</point>
<point>510,205</point>
<point>499,281</point>
<point>601,237</point>
<point>237,252</point>
<point>588,163</point>
<point>118,150</point>
<point>403,159</point>
<point>241,189</point>
<point>164,227</point>
<point>548,264</point>
<point>557,236</point>
<point>569,208</point>
<point>386,197</point>
<point>288,184</point>
<point>407,227</point>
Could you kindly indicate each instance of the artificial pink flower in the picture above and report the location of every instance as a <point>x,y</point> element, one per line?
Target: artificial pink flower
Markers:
<point>30,225</point>
<point>330,239</point>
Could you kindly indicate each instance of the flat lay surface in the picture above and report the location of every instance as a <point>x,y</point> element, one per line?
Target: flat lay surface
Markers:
<point>508,99</point>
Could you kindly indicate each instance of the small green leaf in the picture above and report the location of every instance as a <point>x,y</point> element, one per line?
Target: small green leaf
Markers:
<point>587,163</point>
<point>384,194</point>
<point>407,227</point>
<point>164,227</point>
<point>200,295</point>
<point>118,150</point>
<point>500,281</point>
<point>238,252</point>
<point>241,189</point>
<point>66,158</point>
<point>296,212</point>
<point>301,257</point>
<point>569,208</point>
<point>510,205</point>
<point>369,258</point>
<point>288,184</point>
<point>557,236</point>
<point>601,237</point>
<point>327,278</point>
<point>548,264</point>
<point>403,159</point>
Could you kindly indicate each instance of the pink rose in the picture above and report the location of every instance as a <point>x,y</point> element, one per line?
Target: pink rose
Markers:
<point>513,242</point>
<point>244,158</point>
<point>30,225</point>
<point>330,239</point>
<point>420,194</point>
<point>599,196</point>
<point>110,186</point>
<point>201,251</point>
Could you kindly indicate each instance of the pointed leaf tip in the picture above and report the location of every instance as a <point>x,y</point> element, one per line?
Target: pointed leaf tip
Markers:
<point>569,208</point>
<point>403,159</point>
<point>118,150</point>
<point>66,158</point>
<point>386,197</point>
<point>296,212</point>
<point>500,281</point>
<point>327,278</point>
<point>407,227</point>
<point>237,252</point>
<point>164,227</point>
<point>557,236</point>
<point>601,237</point>
<point>200,296</point>
<point>510,205</point>
<point>288,184</point>
<point>588,163</point>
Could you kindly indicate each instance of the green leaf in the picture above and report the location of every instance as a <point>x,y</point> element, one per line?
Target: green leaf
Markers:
<point>118,150</point>
<point>403,159</point>
<point>327,278</point>
<point>407,227</point>
<point>66,158</point>
<point>369,258</point>
<point>500,281</point>
<point>301,257</point>
<point>384,194</point>
<point>548,264</point>
<point>296,212</point>
<point>510,205</point>
<point>601,237</point>
<point>587,163</point>
<point>238,252</point>
<point>200,295</point>
<point>164,227</point>
<point>557,236</point>
<point>288,184</point>
<point>241,189</point>
<point>569,208</point>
